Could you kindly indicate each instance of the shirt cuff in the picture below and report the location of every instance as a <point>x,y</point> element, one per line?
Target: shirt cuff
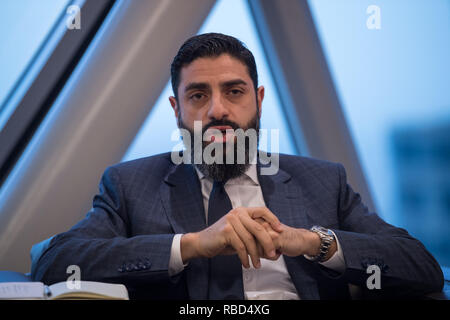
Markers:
<point>336,262</point>
<point>176,262</point>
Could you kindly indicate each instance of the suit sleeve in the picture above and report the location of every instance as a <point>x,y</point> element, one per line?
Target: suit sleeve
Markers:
<point>407,268</point>
<point>100,245</point>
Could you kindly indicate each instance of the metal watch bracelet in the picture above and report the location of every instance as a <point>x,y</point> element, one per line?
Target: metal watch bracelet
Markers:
<point>326,239</point>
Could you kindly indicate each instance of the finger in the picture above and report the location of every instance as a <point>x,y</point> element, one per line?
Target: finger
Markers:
<point>264,224</point>
<point>264,255</point>
<point>274,235</point>
<point>261,235</point>
<point>247,238</point>
<point>267,215</point>
<point>239,247</point>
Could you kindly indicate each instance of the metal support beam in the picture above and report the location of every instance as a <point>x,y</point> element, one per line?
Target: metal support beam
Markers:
<point>93,121</point>
<point>297,61</point>
<point>35,103</point>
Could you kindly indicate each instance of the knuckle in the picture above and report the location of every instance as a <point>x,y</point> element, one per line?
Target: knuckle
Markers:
<point>229,218</point>
<point>240,247</point>
<point>227,229</point>
<point>248,238</point>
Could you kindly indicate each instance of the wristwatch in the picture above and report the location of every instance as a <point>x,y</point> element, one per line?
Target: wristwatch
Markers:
<point>326,239</point>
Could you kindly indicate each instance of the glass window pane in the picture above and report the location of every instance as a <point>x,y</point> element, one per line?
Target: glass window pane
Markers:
<point>155,135</point>
<point>390,64</point>
<point>24,26</point>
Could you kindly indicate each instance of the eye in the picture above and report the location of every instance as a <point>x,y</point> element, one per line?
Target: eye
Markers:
<point>197,96</point>
<point>235,92</point>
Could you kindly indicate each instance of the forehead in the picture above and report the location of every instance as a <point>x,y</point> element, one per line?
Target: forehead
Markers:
<point>214,69</point>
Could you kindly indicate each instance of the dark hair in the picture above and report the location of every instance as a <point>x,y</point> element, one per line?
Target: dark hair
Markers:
<point>211,45</point>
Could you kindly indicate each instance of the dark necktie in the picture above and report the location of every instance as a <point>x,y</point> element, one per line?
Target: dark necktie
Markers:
<point>225,271</point>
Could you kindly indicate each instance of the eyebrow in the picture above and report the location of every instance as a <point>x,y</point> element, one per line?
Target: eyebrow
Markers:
<point>232,83</point>
<point>206,86</point>
<point>197,86</point>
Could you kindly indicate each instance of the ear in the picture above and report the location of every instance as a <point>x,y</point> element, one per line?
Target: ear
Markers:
<point>259,99</point>
<point>174,104</point>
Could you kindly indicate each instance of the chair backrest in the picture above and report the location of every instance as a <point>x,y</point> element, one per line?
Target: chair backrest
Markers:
<point>37,250</point>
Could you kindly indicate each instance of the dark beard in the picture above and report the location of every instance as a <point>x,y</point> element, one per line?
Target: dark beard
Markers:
<point>225,171</point>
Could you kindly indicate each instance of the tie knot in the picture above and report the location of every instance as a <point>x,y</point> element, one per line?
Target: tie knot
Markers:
<point>218,184</point>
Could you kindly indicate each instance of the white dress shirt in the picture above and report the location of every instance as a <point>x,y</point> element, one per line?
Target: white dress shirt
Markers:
<point>271,280</point>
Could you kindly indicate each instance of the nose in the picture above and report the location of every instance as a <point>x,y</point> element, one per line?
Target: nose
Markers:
<point>217,109</point>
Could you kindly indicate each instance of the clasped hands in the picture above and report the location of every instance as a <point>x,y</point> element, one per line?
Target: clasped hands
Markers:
<point>254,232</point>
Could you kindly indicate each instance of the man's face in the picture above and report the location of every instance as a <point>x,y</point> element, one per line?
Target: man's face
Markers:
<point>219,92</point>
<point>215,89</point>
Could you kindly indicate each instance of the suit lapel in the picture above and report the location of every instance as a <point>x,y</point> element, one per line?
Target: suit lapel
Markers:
<point>182,199</point>
<point>284,198</point>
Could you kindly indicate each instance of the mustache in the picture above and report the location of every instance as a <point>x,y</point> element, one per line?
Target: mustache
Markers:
<point>223,122</point>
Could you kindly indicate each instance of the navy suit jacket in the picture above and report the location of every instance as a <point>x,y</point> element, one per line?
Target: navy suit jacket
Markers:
<point>127,235</point>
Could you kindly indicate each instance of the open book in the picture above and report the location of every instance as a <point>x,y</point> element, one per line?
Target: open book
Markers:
<point>61,290</point>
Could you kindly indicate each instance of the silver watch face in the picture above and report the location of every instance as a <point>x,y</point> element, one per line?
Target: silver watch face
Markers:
<point>323,230</point>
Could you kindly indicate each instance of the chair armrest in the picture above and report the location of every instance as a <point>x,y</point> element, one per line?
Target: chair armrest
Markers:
<point>445,293</point>
<point>13,276</point>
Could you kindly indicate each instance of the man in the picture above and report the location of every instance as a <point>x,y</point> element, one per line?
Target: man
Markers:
<point>222,229</point>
